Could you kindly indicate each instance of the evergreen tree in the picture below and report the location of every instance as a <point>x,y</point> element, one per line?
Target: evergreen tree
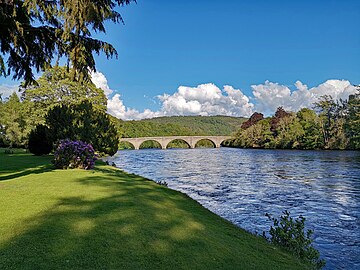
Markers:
<point>85,123</point>
<point>34,32</point>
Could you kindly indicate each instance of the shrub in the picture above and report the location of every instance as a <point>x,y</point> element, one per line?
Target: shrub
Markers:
<point>289,234</point>
<point>74,154</point>
<point>39,141</point>
<point>8,151</point>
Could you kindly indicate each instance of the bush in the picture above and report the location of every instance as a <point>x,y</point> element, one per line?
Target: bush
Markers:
<point>289,234</point>
<point>39,141</point>
<point>84,123</point>
<point>74,154</point>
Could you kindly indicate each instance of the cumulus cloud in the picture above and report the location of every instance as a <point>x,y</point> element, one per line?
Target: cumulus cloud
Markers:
<point>101,82</point>
<point>117,108</point>
<point>209,99</point>
<point>269,96</point>
<point>206,99</point>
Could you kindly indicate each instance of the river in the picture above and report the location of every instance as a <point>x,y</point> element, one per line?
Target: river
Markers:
<point>242,185</point>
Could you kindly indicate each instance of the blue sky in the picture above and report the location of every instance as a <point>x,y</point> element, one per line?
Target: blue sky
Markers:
<point>167,44</point>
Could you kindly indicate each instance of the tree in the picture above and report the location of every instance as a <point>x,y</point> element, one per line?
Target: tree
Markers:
<point>85,123</point>
<point>311,124</point>
<point>256,136</point>
<point>326,107</point>
<point>352,124</point>
<point>254,118</point>
<point>34,32</point>
<point>39,141</point>
<point>289,132</point>
<point>13,124</point>
<point>56,87</point>
<point>279,114</point>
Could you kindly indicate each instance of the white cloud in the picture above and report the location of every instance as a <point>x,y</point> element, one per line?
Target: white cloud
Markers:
<point>101,82</point>
<point>208,99</point>
<point>6,90</point>
<point>117,108</point>
<point>270,95</point>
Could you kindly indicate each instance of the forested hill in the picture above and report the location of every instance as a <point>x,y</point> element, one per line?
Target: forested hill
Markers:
<point>180,125</point>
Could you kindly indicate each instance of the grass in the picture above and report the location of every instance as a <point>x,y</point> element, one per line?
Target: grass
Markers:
<point>107,219</point>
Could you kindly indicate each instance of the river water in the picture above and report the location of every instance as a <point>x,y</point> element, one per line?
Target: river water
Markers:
<point>242,185</point>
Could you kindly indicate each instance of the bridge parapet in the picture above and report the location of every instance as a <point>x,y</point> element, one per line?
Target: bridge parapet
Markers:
<point>164,141</point>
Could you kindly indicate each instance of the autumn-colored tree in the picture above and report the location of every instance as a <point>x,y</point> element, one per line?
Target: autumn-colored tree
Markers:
<point>254,118</point>
<point>288,133</point>
<point>279,114</point>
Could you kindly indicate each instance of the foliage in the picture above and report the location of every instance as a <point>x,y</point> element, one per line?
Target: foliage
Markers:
<point>179,125</point>
<point>289,233</point>
<point>311,125</point>
<point>288,132</point>
<point>55,86</point>
<point>334,125</point>
<point>74,154</point>
<point>256,136</point>
<point>254,118</point>
<point>8,151</point>
<point>13,128</point>
<point>39,141</point>
<point>83,122</point>
<point>275,121</point>
<point>34,32</point>
<point>326,108</point>
<point>352,124</point>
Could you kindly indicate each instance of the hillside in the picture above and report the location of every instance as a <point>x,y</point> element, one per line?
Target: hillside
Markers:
<point>180,125</point>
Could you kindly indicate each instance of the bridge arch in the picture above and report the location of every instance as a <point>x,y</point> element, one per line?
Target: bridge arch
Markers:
<point>183,141</point>
<point>125,145</point>
<point>204,140</point>
<point>153,144</point>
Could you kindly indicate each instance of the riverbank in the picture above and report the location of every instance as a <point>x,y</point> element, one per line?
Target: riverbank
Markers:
<point>105,218</point>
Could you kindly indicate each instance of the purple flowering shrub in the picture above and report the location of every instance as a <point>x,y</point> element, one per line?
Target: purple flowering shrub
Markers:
<point>74,154</point>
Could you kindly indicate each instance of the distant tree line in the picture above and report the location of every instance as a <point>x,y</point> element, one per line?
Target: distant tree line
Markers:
<point>179,125</point>
<point>329,125</point>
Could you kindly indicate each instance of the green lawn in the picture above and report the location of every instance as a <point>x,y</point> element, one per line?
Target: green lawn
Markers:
<point>107,219</point>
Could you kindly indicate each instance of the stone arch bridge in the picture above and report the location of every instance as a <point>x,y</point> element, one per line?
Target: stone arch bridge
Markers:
<point>164,141</point>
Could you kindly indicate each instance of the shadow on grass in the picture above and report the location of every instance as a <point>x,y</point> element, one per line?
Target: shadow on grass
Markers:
<point>130,228</point>
<point>37,170</point>
<point>126,222</point>
<point>17,165</point>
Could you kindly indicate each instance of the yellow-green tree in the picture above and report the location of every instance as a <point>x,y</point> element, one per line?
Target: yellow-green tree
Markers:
<point>13,122</point>
<point>55,87</point>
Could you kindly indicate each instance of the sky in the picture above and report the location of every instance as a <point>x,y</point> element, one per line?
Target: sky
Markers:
<point>227,57</point>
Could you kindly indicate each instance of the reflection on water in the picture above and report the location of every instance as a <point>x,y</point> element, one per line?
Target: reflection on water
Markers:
<point>242,185</point>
